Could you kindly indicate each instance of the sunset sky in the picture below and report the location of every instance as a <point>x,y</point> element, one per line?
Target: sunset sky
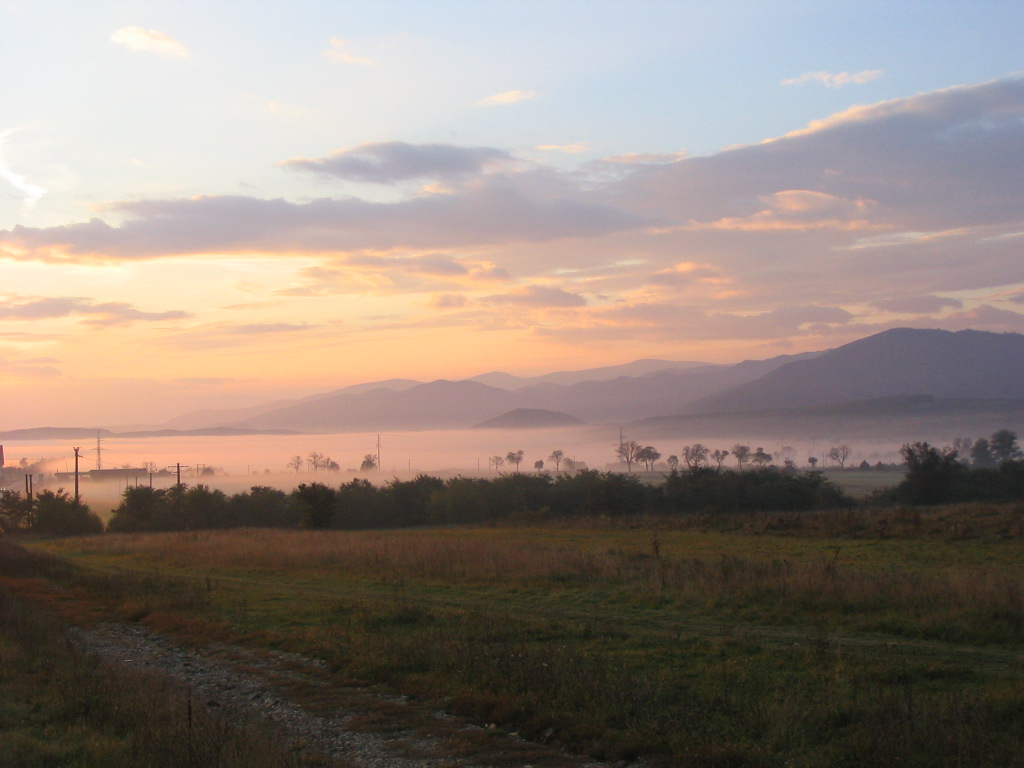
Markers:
<point>217,203</point>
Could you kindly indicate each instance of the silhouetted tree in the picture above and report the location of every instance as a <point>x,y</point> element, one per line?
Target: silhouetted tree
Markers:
<point>962,446</point>
<point>760,458</point>
<point>296,463</point>
<point>695,455</point>
<point>57,514</point>
<point>315,460</point>
<point>981,454</point>
<point>673,462</point>
<point>839,453</point>
<point>315,503</point>
<point>369,463</point>
<point>556,457</point>
<point>741,453</point>
<point>1004,447</point>
<point>627,452</point>
<point>719,456</point>
<point>539,465</point>
<point>648,455</point>
<point>813,461</point>
<point>497,461</point>
<point>15,511</point>
<point>933,475</point>
<point>514,457</point>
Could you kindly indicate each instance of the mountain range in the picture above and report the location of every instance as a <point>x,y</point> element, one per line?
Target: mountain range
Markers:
<point>965,371</point>
<point>906,378</point>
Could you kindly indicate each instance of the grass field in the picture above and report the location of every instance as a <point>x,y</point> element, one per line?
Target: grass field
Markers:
<point>855,638</point>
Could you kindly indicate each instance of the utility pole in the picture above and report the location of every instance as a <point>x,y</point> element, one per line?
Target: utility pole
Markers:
<point>77,454</point>
<point>378,452</point>
<point>99,451</point>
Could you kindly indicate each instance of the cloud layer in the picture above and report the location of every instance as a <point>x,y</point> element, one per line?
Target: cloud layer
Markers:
<point>149,41</point>
<point>902,212</point>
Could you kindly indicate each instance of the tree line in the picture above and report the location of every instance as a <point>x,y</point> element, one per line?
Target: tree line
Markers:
<point>933,476</point>
<point>991,470</point>
<point>427,500</point>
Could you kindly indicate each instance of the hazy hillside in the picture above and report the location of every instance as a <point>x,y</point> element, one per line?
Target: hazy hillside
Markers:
<point>903,361</point>
<point>530,418</point>
<point>663,392</point>
<point>436,405</point>
<point>643,367</point>
<point>452,405</point>
<point>944,366</point>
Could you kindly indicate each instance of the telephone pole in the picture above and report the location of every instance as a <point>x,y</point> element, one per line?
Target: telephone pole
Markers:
<point>77,454</point>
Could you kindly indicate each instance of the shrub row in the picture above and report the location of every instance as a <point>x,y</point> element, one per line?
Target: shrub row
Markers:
<point>429,500</point>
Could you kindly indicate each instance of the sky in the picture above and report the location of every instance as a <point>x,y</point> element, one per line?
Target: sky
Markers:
<point>221,203</point>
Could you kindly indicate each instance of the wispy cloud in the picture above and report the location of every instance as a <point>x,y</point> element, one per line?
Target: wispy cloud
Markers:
<point>506,97</point>
<point>31,192</point>
<point>93,312</point>
<point>341,50</point>
<point>572,149</point>
<point>918,305</point>
<point>393,161</point>
<point>538,296</point>
<point>836,79</point>
<point>149,41</point>
<point>487,213</point>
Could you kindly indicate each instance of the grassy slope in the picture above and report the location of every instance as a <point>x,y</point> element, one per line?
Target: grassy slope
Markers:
<point>844,639</point>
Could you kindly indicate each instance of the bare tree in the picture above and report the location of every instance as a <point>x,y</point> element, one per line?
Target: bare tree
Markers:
<point>296,463</point>
<point>315,460</point>
<point>627,452</point>
<point>556,457</point>
<point>514,457</point>
<point>839,453</point>
<point>497,461</point>
<point>719,456</point>
<point>695,455</point>
<point>741,453</point>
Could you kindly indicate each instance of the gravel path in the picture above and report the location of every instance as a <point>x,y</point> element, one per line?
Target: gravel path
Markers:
<point>245,684</point>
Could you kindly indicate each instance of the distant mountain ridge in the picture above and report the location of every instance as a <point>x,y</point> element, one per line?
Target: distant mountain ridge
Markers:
<point>903,372</point>
<point>902,361</point>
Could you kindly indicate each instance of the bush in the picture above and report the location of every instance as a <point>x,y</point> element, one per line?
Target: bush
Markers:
<point>767,490</point>
<point>57,514</point>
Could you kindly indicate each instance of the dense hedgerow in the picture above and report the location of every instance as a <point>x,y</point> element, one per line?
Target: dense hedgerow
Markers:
<point>938,476</point>
<point>425,500</point>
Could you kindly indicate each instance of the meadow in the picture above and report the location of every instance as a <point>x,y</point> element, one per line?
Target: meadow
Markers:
<point>800,639</point>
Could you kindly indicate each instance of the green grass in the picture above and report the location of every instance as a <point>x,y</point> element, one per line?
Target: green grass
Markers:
<point>870,637</point>
<point>63,707</point>
<point>861,483</point>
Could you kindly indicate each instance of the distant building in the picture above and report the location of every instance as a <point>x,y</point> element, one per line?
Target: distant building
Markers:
<point>130,474</point>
